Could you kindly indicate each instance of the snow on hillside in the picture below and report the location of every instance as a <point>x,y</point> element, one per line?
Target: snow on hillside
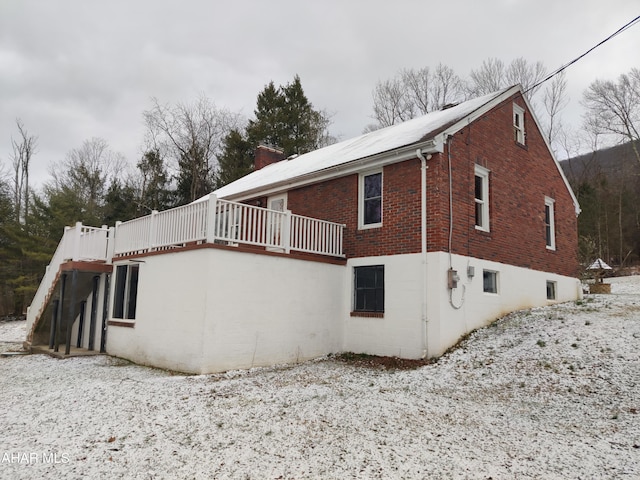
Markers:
<point>550,393</point>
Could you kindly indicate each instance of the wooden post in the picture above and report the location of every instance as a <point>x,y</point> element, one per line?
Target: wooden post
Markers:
<point>105,313</point>
<point>94,312</point>
<point>54,322</point>
<point>63,282</point>
<point>76,242</point>
<point>152,230</point>
<point>211,218</point>
<point>83,307</point>
<point>71,311</point>
<point>286,231</point>
<point>111,243</point>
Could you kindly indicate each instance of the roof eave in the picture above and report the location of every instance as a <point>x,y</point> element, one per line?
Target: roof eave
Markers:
<point>408,152</point>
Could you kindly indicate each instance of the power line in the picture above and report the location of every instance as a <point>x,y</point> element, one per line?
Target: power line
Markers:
<point>565,66</point>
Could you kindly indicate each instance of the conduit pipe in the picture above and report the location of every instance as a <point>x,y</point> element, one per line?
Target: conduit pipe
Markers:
<point>423,248</point>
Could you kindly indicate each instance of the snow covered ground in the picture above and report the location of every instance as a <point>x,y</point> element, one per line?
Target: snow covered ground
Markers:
<point>550,393</point>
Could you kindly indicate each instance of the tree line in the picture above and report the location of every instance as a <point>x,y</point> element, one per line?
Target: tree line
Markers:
<point>192,148</point>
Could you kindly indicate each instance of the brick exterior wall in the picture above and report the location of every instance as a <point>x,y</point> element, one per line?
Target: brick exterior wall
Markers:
<point>520,178</point>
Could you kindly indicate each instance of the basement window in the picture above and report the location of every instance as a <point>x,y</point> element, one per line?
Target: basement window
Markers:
<point>369,289</point>
<point>551,290</point>
<point>489,281</point>
<point>125,295</point>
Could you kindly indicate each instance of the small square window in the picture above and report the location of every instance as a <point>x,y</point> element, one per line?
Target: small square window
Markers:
<point>551,290</point>
<point>489,281</point>
<point>369,289</point>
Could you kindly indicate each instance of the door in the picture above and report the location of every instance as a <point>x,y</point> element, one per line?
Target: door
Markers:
<point>274,220</point>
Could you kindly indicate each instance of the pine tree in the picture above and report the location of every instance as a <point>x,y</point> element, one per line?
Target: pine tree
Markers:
<point>285,119</point>
<point>236,160</point>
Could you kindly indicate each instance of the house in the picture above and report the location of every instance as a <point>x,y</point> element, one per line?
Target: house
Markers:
<point>397,242</point>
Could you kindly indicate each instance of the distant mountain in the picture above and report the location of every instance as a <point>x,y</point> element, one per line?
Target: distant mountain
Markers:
<point>612,162</point>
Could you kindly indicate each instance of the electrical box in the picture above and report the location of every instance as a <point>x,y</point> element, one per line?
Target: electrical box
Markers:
<point>452,278</point>
<point>471,271</point>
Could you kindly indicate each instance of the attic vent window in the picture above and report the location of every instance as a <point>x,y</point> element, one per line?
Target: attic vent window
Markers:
<point>518,124</point>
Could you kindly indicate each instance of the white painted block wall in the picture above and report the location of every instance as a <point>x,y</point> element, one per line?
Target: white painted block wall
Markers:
<point>213,310</point>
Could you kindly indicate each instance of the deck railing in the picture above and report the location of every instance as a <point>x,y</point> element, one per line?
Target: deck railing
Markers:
<point>233,223</point>
<point>212,221</point>
<point>78,243</point>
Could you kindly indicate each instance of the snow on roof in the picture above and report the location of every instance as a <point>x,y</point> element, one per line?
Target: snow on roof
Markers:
<point>599,264</point>
<point>372,143</point>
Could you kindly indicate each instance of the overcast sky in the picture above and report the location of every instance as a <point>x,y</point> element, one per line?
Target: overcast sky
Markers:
<point>76,69</point>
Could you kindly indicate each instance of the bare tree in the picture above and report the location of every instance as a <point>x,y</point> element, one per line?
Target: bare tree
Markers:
<point>23,149</point>
<point>493,75</point>
<point>190,134</point>
<point>428,90</point>
<point>390,104</point>
<point>86,171</point>
<point>554,100</point>
<point>613,108</point>
<point>414,92</point>
<point>526,74</point>
<point>489,78</point>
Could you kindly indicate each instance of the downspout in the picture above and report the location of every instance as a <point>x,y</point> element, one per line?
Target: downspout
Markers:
<point>423,248</point>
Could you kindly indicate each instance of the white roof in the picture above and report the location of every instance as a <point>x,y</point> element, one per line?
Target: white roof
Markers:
<point>599,265</point>
<point>379,141</point>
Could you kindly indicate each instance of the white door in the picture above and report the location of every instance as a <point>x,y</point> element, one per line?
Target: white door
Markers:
<point>274,225</point>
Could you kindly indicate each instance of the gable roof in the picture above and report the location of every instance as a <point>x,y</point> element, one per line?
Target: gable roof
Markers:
<point>389,139</point>
<point>387,145</point>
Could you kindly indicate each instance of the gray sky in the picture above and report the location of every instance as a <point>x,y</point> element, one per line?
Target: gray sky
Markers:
<point>76,69</point>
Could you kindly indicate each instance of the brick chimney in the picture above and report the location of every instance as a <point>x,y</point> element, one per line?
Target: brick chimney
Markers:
<point>265,155</point>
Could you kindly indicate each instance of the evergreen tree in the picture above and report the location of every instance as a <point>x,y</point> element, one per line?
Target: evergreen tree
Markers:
<point>267,126</point>
<point>236,160</point>
<point>285,119</point>
<point>155,192</point>
<point>120,203</point>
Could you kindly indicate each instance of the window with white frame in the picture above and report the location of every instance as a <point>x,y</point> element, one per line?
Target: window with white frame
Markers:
<point>489,281</point>
<point>551,290</point>
<point>482,198</point>
<point>125,295</point>
<point>370,200</point>
<point>518,124</point>
<point>549,223</point>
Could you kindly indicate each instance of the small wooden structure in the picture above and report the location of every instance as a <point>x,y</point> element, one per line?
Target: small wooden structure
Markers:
<point>599,270</point>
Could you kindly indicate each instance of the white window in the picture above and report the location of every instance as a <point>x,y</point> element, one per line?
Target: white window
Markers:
<point>482,198</point>
<point>125,297</point>
<point>551,290</point>
<point>489,281</point>
<point>518,123</point>
<point>370,200</point>
<point>549,223</point>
